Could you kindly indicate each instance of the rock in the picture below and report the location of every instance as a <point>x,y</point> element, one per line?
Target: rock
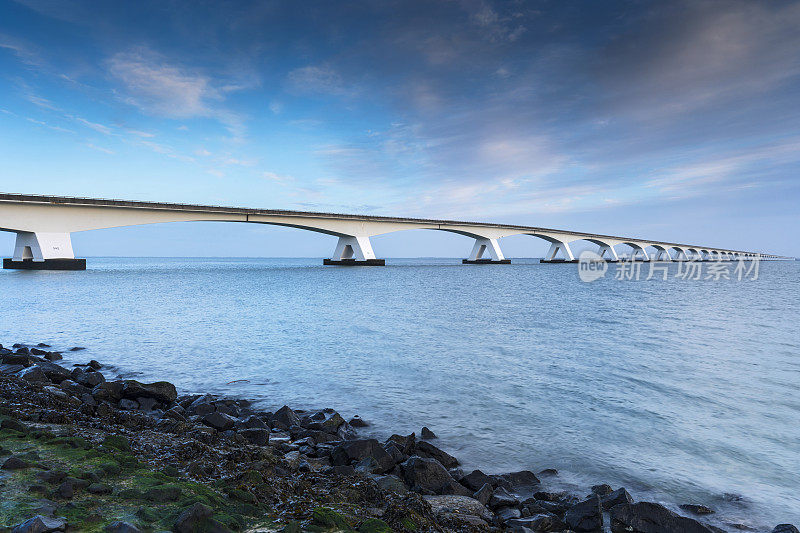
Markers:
<point>53,356</point>
<point>128,405</point>
<point>118,442</point>
<point>76,348</point>
<point>198,518</point>
<point>538,522</point>
<point>109,390</point>
<point>54,372</point>
<point>175,413</point>
<point>695,508</point>
<point>358,422</point>
<point>785,528</point>
<point>329,424</point>
<point>34,374</point>
<point>146,404</point>
<point>477,479</point>
<point>341,470</point>
<point>356,450</point>
<point>52,476</point>
<point>39,345</point>
<point>40,524</point>
<point>585,516</point>
<point>163,493</point>
<point>602,490</point>
<point>647,517</point>
<point>94,364</point>
<point>99,488</point>
<point>38,351</point>
<point>16,425</point>
<point>163,391</point>
<point>259,437</point>
<point>391,483</point>
<point>252,422</point>
<point>121,527</point>
<point>425,475</point>
<point>507,513</point>
<point>615,498</point>
<point>406,444</point>
<point>426,449</point>
<point>23,359</point>
<point>66,490</point>
<point>484,494</point>
<point>219,421</point>
<point>462,505</point>
<point>427,434</point>
<point>284,418</point>
<point>502,498</point>
<point>15,463</point>
<point>90,379</point>
<point>524,479</point>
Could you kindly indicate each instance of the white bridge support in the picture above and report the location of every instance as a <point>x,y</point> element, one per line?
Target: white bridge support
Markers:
<point>662,254</point>
<point>43,225</point>
<point>482,246</point>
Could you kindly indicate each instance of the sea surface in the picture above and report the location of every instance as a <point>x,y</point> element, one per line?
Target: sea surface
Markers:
<point>682,391</point>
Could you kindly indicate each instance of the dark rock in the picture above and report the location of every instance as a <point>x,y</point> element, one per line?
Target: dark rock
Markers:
<point>358,422</point>
<point>585,516</point>
<point>502,498</point>
<point>259,437</point>
<point>198,518</point>
<point>602,490</point>
<point>252,422</point>
<point>95,365</point>
<point>99,488</point>
<point>52,476</point>
<point>128,405</point>
<point>356,450</point>
<point>341,470</point>
<point>785,528</point>
<point>109,390</point>
<point>10,369</point>
<point>66,490</point>
<point>456,488</point>
<point>397,455</point>
<point>477,479</point>
<point>615,498</point>
<point>484,494</point>
<point>162,391</point>
<point>524,479</point>
<point>40,345</point>
<point>90,379</point>
<point>53,356</point>
<point>163,493</point>
<point>284,418</point>
<point>425,475</point>
<point>426,449</point>
<point>37,351</point>
<point>546,496</point>
<point>118,442</point>
<point>175,413</point>
<point>219,421</point>
<point>427,434</point>
<point>146,404</point>
<point>34,375</point>
<point>406,444</point>
<point>15,463</point>
<point>16,425</point>
<point>507,513</point>
<point>73,388</point>
<point>539,522</point>
<point>17,359</point>
<point>76,348</point>
<point>40,524</point>
<point>330,423</point>
<point>121,527</point>
<point>696,508</point>
<point>647,517</point>
<point>391,483</point>
<point>22,350</point>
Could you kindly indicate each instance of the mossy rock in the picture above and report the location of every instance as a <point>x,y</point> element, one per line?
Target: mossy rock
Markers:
<point>408,524</point>
<point>163,493</point>
<point>130,494</point>
<point>292,527</point>
<point>241,495</point>
<point>374,525</point>
<point>110,467</point>
<point>252,477</point>
<point>328,518</point>
<point>148,515</point>
<point>71,442</point>
<point>170,471</point>
<point>117,442</point>
<point>233,521</point>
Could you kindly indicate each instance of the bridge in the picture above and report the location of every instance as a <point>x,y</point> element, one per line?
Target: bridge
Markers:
<point>43,225</point>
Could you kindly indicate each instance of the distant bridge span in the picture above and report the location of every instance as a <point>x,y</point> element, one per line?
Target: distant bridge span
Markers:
<point>43,225</point>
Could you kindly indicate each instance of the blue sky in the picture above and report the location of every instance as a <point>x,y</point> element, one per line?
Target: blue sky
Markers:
<point>676,121</point>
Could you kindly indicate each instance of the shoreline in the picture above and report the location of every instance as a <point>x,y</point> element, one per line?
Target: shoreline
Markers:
<point>291,470</point>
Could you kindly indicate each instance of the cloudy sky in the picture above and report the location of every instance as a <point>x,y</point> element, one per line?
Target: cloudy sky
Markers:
<point>668,120</point>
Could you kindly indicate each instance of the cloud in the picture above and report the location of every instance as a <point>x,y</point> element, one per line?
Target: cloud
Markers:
<point>100,149</point>
<point>105,130</point>
<point>313,79</point>
<point>159,87</point>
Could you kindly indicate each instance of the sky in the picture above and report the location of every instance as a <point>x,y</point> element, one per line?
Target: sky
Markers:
<point>674,121</point>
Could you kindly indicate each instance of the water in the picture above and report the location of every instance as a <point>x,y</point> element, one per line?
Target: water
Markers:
<point>681,391</point>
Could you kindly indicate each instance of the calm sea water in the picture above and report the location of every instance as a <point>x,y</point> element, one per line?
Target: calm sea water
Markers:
<point>681,391</point>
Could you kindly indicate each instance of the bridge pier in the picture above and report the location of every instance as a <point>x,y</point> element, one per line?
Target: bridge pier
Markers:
<point>662,254</point>
<point>608,249</point>
<point>354,251</point>
<point>482,246</point>
<point>555,248</point>
<point>43,251</point>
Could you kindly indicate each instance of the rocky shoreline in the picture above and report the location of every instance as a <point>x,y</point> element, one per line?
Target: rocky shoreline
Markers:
<point>80,451</point>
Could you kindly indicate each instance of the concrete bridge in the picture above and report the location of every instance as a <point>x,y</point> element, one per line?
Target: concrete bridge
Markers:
<point>43,225</point>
